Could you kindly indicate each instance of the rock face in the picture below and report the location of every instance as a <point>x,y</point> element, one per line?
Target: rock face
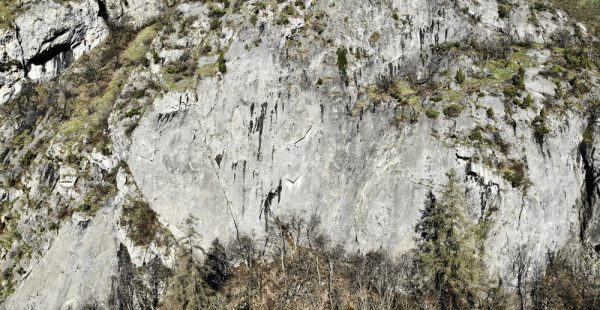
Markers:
<point>295,122</point>
<point>132,13</point>
<point>265,141</point>
<point>50,35</point>
<point>83,274</point>
<point>46,39</point>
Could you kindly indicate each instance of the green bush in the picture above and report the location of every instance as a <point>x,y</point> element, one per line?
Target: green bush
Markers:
<point>526,103</point>
<point>436,98</point>
<point>577,59</point>
<point>518,80</point>
<point>253,20</point>
<point>289,10</point>
<point>138,93</point>
<point>397,95</point>
<point>84,207</point>
<point>540,129</point>
<point>460,76</point>
<point>556,71</point>
<point>432,113</point>
<point>342,60</point>
<point>215,24</point>
<point>222,63</point>
<point>511,91</point>
<point>476,135</point>
<point>133,112</point>
<point>539,126</point>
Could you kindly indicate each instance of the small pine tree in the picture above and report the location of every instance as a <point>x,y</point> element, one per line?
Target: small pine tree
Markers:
<point>222,63</point>
<point>447,248</point>
<point>217,266</point>
<point>186,289</point>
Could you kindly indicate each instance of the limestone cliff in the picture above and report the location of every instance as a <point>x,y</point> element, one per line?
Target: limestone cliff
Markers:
<point>228,117</point>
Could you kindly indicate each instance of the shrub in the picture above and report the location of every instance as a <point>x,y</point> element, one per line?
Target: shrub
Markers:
<point>515,173</point>
<point>518,80</point>
<point>577,59</point>
<point>253,20</point>
<point>580,86</point>
<point>511,91</point>
<point>141,222</point>
<point>84,207</point>
<point>432,113</point>
<point>138,93</point>
<point>396,94</point>
<point>215,12</point>
<point>503,10</point>
<point>342,60</point>
<point>490,113</point>
<point>500,143</point>
<point>28,158</point>
<point>436,98</point>
<point>133,112</point>
<point>556,71</point>
<point>215,24</point>
<point>526,103</point>
<point>540,129</point>
<point>460,76</point>
<point>282,20</point>
<point>289,10</point>
<point>452,110</point>
<point>222,63</point>
<point>476,135</point>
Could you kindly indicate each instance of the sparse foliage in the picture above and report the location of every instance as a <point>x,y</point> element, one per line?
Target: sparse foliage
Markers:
<point>222,63</point>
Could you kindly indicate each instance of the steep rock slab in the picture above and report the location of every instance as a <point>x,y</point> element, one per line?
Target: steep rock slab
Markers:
<point>75,270</point>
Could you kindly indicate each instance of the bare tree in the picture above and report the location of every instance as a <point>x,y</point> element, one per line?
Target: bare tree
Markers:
<point>521,262</point>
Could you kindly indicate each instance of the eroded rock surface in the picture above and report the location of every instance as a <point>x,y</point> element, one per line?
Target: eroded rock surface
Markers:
<point>294,120</point>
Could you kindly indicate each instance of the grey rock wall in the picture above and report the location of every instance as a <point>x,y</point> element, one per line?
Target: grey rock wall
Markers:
<point>284,133</point>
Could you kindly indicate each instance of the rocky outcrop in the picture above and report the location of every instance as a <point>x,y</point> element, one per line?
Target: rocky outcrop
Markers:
<point>132,13</point>
<point>44,40</point>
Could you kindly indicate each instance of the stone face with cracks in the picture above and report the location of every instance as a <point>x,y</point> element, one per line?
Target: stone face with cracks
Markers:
<point>284,148</point>
<point>267,140</point>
